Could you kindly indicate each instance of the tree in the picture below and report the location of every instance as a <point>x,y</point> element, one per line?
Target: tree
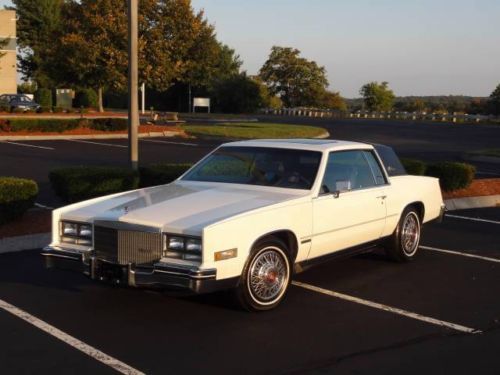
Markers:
<point>240,94</point>
<point>494,101</point>
<point>38,28</point>
<point>296,80</point>
<point>377,96</point>
<point>333,100</point>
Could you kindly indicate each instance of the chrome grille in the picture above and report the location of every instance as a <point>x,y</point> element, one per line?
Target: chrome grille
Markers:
<point>125,246</point>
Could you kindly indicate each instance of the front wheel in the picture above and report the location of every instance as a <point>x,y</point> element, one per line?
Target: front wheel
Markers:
<point>265,278</point>
<point>403,244</point>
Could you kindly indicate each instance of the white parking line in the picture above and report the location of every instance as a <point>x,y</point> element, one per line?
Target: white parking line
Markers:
<point>170,142</point>
<point>387,308</point>
<point>96,143</point>
<point>468,255</point>
<point>39,205</point>
<point>473,219</point>
<point>70,340</point>
<point>27,145</point>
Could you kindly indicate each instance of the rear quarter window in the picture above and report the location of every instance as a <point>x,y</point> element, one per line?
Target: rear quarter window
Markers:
<point>391,162</point>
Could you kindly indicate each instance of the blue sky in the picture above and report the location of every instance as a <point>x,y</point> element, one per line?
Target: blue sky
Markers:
<point>421,47</point>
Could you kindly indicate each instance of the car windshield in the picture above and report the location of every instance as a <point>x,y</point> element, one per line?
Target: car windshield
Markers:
<point>286,168</point>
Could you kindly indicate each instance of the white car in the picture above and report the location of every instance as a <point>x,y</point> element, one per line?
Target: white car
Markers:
<point>247,217</point>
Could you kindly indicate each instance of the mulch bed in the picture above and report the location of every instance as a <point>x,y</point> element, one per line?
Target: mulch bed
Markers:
<point>488,186</point>
<point>33,222</point>
<point>87,131</point>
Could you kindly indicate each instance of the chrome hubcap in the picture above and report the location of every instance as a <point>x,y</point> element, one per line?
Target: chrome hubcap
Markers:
<point>268,276</point>
<point>410,235</point>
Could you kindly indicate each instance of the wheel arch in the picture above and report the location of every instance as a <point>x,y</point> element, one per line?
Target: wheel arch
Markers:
<point>287,236</point>
<point>419,206</point>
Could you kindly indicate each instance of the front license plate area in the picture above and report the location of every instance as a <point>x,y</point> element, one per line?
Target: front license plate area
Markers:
<point>110,272</point>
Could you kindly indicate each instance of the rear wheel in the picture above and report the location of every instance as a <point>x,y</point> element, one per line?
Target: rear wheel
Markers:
<point>403,245</point>
<point>265,278</point>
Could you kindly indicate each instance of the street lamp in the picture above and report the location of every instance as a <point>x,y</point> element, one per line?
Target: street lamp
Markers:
<point>133,100</point>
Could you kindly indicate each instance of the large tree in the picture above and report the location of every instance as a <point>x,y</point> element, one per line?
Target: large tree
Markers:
<point>494,101</point>
<point>377,96</point>
<point>296,80</point>
<point>38,29</point>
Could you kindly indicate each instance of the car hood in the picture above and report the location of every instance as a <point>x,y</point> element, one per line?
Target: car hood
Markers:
<point>182,206</point>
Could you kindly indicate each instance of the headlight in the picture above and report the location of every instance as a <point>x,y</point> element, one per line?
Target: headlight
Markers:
<point>76,233</point>
<point>180,247</point>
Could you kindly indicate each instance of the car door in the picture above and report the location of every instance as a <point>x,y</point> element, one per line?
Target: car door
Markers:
<point>350,209</point>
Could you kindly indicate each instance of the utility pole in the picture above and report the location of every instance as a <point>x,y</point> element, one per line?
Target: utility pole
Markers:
<point>133,100</point>
<point>143,96</point>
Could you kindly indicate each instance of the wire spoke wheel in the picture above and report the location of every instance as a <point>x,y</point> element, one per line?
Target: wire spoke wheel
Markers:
<point>410,234</point>
<point>268,275</point>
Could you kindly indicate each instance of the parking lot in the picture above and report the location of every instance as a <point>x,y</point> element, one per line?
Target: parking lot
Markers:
<point>440,313</point>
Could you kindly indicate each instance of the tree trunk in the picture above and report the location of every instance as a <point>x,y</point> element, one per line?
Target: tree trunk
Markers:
<point>99,93</point>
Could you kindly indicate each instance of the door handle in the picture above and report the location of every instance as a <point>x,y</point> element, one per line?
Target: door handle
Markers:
<point>382,196</point>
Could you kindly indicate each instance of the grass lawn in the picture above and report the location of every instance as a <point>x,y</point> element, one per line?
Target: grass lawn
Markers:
<point>490,152</point>
<point>250,130</point>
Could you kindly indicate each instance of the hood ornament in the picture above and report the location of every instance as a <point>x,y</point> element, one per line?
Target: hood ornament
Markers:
<point>125,209</point>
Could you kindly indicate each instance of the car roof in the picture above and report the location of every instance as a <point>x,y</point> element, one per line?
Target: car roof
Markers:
<point>302,144</point>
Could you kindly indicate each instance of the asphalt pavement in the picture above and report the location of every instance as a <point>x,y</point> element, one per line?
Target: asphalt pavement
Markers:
<point>438,314</point>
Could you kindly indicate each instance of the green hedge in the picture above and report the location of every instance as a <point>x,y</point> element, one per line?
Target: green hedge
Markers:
<point>452,175</point>
<point>109,124</point>
<point>160,174</point>
<point>44,97</point>
<point>17,195</point>
<point>414,167</point>
<point>85,98</point>
<point>75,184</point>
<point>43,125</point>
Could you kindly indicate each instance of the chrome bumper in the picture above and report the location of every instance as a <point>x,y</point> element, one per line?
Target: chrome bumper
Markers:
<point>157,275</point>
<point>441,213</point>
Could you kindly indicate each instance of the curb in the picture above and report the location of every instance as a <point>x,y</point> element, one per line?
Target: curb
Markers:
<point>27,242</point>
<point>472,202</point>
<point>166,133</point>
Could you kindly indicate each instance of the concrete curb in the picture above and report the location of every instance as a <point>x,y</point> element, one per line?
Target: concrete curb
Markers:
<point>166,133</point>
<point>472,202</point>
<point>27,242</point>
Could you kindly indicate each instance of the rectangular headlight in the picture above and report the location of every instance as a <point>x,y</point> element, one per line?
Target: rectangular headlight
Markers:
<point>181,247</point>
<point>76,233</point>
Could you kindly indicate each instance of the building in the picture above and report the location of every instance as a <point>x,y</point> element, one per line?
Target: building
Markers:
<point>8,70</point>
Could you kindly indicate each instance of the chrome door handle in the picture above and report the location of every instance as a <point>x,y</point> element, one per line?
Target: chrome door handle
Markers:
<point>382,196</point>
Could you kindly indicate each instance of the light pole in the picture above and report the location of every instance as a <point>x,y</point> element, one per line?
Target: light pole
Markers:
<point>133,100</point>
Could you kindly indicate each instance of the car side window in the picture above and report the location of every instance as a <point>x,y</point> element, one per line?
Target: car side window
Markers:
<point>375,168</point>
<point>346,171</point>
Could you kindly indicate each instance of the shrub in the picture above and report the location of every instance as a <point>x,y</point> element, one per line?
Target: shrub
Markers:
<point>44,97</point>
<point>44,109</point>
<point>43,125</point>
<point>85,98</point>
<point>17,110</point>
<point>57,109</point>
<point>17,195</point>
<point>109,124</point>
<point>452,175</point>
<point>159,174</point>
<point>4,108</point>
<point>5,126</point>
<point>414,166</point>
<point>75,184</point>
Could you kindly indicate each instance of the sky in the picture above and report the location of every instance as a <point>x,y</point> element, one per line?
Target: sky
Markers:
<point>421,47</point>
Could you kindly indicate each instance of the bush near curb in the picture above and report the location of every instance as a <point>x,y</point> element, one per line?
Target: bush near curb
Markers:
<point>43,125</point>
<point>44,97</point>
<point>75,184</point>
<point>452,175</point>
<point>414,167</point>
<point>160,174</point>
<point>108,124</point>
<point>17,195</point>
<point>85,98</point>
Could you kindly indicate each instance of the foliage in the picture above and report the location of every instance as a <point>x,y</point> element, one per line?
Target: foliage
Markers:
<point>62,125</point>
<point>75,184</point>
<point>85,98</point>
<point>333,100</point>
<point>159,174</point>
<point>452,175</point>
<point>239,94</point>
<point>377,96</point>
<point>251,130</point>
<point>38,27</point>
<point>494,101</point>
<point>17,195</point>
<point>43,97</point>
<point>296,80</point>
<point>414,167</point>
<point>108,124</point>
<point>27,88</point>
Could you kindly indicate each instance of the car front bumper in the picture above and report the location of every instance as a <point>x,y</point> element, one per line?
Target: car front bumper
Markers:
<point>157,275</point>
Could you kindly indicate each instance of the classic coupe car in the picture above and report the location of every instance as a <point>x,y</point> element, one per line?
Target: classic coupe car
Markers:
<point>247,217</point>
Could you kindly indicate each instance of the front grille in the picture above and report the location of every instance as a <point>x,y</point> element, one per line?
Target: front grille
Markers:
<point>125,246</point>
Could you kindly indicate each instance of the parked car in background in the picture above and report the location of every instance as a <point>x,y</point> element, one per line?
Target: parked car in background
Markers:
<point>247,217</point>
<point>18,101</point>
